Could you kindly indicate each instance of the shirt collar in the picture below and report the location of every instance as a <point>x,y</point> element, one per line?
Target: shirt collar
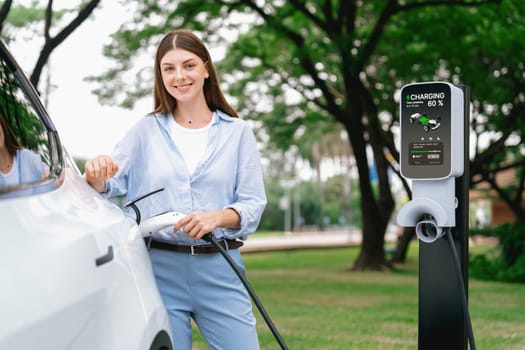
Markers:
<point>223,116</point>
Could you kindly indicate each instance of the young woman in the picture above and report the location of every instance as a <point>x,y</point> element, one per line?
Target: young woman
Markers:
<point>195,147</point>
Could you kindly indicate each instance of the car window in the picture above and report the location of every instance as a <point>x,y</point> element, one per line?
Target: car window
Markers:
<point>30,151</point>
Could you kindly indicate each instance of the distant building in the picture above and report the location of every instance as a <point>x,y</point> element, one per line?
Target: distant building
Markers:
<point>487,208</point>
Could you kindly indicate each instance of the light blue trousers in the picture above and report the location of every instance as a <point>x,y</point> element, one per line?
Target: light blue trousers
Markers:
<point>204,287</point>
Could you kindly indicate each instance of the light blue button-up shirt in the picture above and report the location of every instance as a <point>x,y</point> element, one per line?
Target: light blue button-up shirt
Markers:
<point>27,167</point>
<point>229,175</point>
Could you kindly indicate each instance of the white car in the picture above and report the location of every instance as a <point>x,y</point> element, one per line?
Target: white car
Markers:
<point>74,270</point>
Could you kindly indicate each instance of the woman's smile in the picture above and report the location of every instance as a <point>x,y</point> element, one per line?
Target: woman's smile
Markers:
<point>183,87</point>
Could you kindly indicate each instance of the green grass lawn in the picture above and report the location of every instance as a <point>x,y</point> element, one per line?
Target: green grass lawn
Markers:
<point>316,303</point>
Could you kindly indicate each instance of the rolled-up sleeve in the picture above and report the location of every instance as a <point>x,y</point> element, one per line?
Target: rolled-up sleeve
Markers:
<point>121,154</point>
<point>250,195</point>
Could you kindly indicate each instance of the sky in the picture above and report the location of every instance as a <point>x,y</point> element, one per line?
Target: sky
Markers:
<point>86,127</point>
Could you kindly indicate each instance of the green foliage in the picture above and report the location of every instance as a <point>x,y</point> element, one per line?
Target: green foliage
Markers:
<point>512,242</point>
<point>480,266</point>
<point>508,264</point>
<point>310,204</point>
<point>515,273</point>
<point>480,46</point>
<point>337,205</point>
<point>80,163</point>
<point>20,115</point>
<point>21,16</point>
<point>311,210</point>
<point>273,217</point>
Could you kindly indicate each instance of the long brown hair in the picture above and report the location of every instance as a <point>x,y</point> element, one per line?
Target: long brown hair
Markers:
<point>186,40</point>
<point>11,142</point>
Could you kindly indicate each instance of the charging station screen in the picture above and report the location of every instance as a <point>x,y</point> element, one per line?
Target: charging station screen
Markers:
<point>426,130</point>
<point>425,153</point>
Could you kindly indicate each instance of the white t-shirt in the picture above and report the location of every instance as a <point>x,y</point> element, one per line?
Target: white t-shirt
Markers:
<point>12,177</point>
<point>190,142</point>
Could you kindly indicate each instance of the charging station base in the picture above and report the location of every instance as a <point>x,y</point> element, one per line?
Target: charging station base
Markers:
<point>441,316</point>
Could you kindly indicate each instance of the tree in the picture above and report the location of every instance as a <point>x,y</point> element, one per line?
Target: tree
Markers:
<point>489,57</point>
<point>331,53</point>
<point>21,16</point>
<point>501,104</point>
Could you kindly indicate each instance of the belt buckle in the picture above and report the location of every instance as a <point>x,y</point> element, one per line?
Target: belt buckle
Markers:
<point>192,250</point>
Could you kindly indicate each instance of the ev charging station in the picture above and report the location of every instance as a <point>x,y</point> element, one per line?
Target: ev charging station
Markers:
<point>434,119</point>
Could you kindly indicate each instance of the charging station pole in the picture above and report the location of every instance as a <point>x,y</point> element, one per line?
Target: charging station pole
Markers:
<point>441,317</point>
<point>432,140</point>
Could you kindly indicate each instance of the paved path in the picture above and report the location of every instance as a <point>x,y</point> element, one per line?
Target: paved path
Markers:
<point>304,240</point>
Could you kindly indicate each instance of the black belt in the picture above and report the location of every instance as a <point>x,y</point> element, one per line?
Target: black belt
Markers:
<point>194,249</point>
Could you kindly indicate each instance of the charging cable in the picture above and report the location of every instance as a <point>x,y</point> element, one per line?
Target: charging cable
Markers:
<point>211,238</point>
<point>464,294</point>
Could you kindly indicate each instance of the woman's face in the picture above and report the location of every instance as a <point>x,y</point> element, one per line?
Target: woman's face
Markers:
<point>183,74</point>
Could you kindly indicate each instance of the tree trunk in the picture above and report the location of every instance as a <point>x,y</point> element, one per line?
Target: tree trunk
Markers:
<point>4,11</point>
<point>402,244</point>
<point>372,254</point>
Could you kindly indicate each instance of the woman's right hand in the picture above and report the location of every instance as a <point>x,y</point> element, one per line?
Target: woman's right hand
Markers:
<point>98,170</point>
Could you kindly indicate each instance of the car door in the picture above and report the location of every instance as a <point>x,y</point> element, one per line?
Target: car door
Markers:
<point>74,270</point>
